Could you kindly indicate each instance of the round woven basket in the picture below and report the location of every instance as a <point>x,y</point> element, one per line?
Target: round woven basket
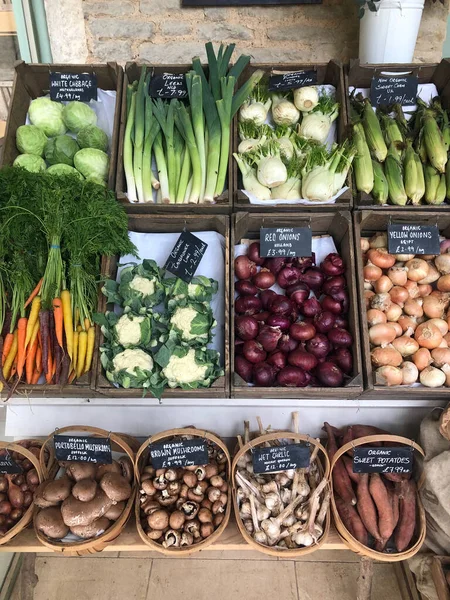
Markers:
<point>346,536</point>
<point>141,461</point>
<point>324,469</point>
<point>99,543</point>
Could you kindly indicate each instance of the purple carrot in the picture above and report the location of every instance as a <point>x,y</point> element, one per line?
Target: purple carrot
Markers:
<point>44,324</point>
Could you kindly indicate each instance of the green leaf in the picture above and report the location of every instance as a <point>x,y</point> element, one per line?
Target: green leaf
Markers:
<point>163,355</point>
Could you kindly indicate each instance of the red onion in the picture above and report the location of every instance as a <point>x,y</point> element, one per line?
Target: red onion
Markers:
<point>238,345</point>
<point>302,331</point>
<point>244,268</point>
<point>279,321</point>
<point>340,337</point>
<point>253,254</point>
<point>243,368</point>
<point>292,377</point>
<point>343,359</point>
<point>313,277</point>
<point>263,375</point>
<point>445,246</point>
<point>311,307</point>
<point>288,276</point>
<point>245,288</point>
<point>268,337</point>
<point>330,283</point>
<point>281,305</point>
<point>332,265</point>
<point>247,305</point>
<point>275,264</point>
<point>341,322</point>
<point>302,359</point>
<point>329,374</point>
<point>262,316</point>
<point>342,297</point>
<point>287,344</point>
<point>319,345</point>
<point>253,351</point>
<point>277,359</point>
<point>266,298</point>
<point>324,321</point>
<point>246,327</point>
<point>304,262</point>
<point>332,305</point>
<point>264,279</point>
<point>298,292</point>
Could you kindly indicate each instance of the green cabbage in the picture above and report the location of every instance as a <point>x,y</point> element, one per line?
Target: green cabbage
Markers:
<point>30,162</point>
<point>92,163</point>
<point>93,137</point>
<point>62,169</point>
<point>30,140</point>
<point>61,149</point>
<point>47,115</point>
<point>77,115</point>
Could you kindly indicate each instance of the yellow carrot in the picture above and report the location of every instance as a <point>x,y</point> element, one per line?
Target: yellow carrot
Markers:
<point>68,321</point>
<point>82,347</point>
<point>90,349</point>
<point>87,324</point>
<point>34,316</point>
<point>76,335</point>
<point>34,334</point>
<point>79,328</point>
<point>11,356</point>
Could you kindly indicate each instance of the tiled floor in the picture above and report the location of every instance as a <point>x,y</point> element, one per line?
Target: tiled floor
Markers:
<point>210,575</point>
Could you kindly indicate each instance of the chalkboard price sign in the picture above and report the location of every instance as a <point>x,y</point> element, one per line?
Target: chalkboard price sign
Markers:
<point>285,241</point>
<point>281,82</point>
<point>394,90</point>
<point>67,87</point>
<point>168,85</point>
<point>8,465</point>
<point>83,449</point>
<point>406,238</point>
<point>280,458</point>
<point>186,256</point>
<point>183,453</point>
<point>383,460</point>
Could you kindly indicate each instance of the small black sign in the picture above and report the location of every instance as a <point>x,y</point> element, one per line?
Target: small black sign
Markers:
<point>285,241</point>
<point>407,238</point>
<point>280,458</point>
<point>282,82</point>
<point>83,449</point>
<point>183,453</point>
<point>185,257</point>
<point>8,465</point>
<point>394,90</point>
<point>168,85</point>
<point>383,460</point>
<point>66,87</point>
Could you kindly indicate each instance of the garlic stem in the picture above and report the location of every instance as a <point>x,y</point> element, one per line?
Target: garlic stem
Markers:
<point>324,508</point>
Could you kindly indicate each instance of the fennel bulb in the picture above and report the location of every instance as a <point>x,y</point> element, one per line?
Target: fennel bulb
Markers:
<point>290,190</point>
<point>284,112</point>
<point>315,126</point>
<point>286,147</point>
<point>254,111</point>
<point>249,180</point>
<point>318,184</point>
<point>271,171</point>
<point>251,144</point>
<point>306,98</point>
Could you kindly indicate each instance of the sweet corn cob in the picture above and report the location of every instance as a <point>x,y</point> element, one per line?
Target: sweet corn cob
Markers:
<point>380,190</point>
<point>362,161</point>
<point>434,143</point>
<point>372,130</point>
<point>420,178</point>
<point>410,175</point>
<point>391,129</point>
<point>420,149</point>
<point>394,177</point>
<point>432,182</point>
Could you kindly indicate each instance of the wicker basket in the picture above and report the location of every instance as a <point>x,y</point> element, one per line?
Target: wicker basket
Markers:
<point>346,536</point>
<point>99,543</point>
<point>141,460</point>
<point>324,469</point>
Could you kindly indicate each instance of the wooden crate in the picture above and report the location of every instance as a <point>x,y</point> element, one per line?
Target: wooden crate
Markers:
<point>224,201</point>
<point>438,564</point>
<point>331,73</point>
<point>31,81</point>
<point>366,223</point>
<point>360,76</point>
<point>337,224</point>
<point>152,223</point>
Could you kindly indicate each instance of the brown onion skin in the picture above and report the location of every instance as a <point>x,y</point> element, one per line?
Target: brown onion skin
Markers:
<point>247,305</point>
<point>340,338</point>
<point>254,255</point>
<point>277,359</point>
<point>247,327</point>
<point>245,288</point>
<point>263,375</point>
<point>243,368</point>
<point>254,352</point>
<point>302,331</point>
<point>329,374</point>
<point>264,279</point>
<point>244,268</point>
<point>293,377</point>
<point>304,360</point>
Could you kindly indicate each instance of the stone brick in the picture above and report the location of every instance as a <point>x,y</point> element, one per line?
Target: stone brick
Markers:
<point>219,33</point>
<point>217,14</point>
<point>171,52</point>
<point>270,13</point>
<point>119,50</point>
<point>305,33</point>
<point>176,28</point>
<point>151,7</point>
<point>115,8</point>
<point>121,28</point>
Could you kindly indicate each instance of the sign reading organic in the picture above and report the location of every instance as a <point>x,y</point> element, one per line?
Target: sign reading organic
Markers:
<point>383,460</point>
<point>182,453</point>
<point>285,241</point>
<point>282,82</point>
<point>404,238</point>
<point>168,85</point>
<point>66,87</point>
<point>83,449</point>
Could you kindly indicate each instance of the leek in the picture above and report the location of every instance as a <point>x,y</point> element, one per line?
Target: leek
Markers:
<point>184,124</point>
<point>128,150</point>
<point>194,85</point>
<point>149,181</point>
<point>163,191</point>
<point>139,121</point>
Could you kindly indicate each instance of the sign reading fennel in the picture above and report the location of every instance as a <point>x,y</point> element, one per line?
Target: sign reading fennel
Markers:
<point>282,82</point>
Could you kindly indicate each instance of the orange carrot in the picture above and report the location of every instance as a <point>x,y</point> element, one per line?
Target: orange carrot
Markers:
<point>21,356</point>
<point>72,376</point>
<point>38,368</point>
<point>34,293</point>
<point>9,337</point>
<point>58,316</point>
<point>49,374</point>
<point>30,361</point>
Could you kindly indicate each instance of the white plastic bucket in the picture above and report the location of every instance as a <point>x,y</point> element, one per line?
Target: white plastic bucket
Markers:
<point>390,34</point>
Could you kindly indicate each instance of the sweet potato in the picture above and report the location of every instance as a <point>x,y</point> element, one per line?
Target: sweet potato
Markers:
<point>348,463</point>
<point>380,496</point>
<point>341,481</point>
<point>407,520</point>
<point>352,521</point>
<point>396,477</point>
<point>366,507</point>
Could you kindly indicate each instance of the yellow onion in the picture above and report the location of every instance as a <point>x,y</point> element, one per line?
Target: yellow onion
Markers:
<point>375,316</point>
<point>432,377</point>
<point>407,323</point>
<point>368,295</point>
<point>442,263</point>
<point>443,284</point>
<point>386,356</point>
<point>434,306</point>
<point>380,301</point>
<point>399,295</point>
<point>413,307</point>
<point>382,285</point>
<point>422,358</point>
<point>398,275</point>
<point>388,375</point>
<point>379,240</point>
<point>440,356</point>
<point>382,334</point>
<point>440,324</point>
<point>443,344</point>
<point>394,312</point>
<point>404,257</point>
<point>428,336</point>
<point>425,289</point>
<point>413,289</point>
<point>432,275</point>
<point>410,373</point>
<point>364,244</point>
<point>368,286</point>
<point>447,338</point>
<point>381,258</point>
<point>406,345</point>
<point>417,269</point>
<point>397,328</point>
<point>371,272</point>
<point>446,371</point>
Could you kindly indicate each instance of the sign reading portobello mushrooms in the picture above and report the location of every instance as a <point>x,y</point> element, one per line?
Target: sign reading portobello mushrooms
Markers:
<point>394,90</point>
<point>185,257</point>
<point>383,460</point>
<point>280,458</point>
<point>282,82</point>
<point>285,241</point>
<point>406,238</point>
<point>8,465</point>
<point>83,449</point>
<point>168,85</point>
<point>66,87</point>
<point>180,453</point>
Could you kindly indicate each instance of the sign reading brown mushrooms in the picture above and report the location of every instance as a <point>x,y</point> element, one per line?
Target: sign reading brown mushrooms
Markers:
<point>181,453</point>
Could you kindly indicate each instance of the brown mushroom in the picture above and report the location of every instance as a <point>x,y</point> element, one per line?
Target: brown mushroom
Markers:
<point>115,511</point>
<point>160,482</point>
<point>217,507</point>
<point>115,486</point>
<point>190,479</point>
<point>149,506</point>
<point>206,504</point>
<point>160,472</point>
<point>187,539</point>
<point>213,494</point>
<point>127,468</point>
<point>184,491</point>
<point>192,495</point>
<point>158,520</point>
<point>218,519</point>
<point>193,527</point>
<point>172,538</point>
<point>114,467</point>
<point>154,534</point>
<point>74,512</point>
<point>177,519</point>
<point>80,470</point>
<point>190,509</point>
<point>174,488</point>
<point>148,488</point>
<point>165,499</point>
<point>205,515</point>
<point>206,529</point>
<point>39,499</point>
<point>216,481</point>
<point>200,472</point>
<point>211,470</point>
<point>149,470</point>
<point>84,490</point>
<point>95,528</point>
<point>49,522</point>
<point>171,475</point>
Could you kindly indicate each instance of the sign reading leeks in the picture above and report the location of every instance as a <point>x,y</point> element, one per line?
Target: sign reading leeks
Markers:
<point>280,458</point>
<point>83,449</point>
<point>285,241</point>
<point>404,238</point>
<point>67,87</point>
<point>400,89</point>
<point>168,85</point>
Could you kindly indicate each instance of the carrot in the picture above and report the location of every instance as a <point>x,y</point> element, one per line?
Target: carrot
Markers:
<point>58,316</point>
<point>35,292</point>
<point>87,324</point>
<point>49,374</point>
<point>65,368</point>
<point>33,317</point>
<point>9,337</point>
<point>21,356</point>
<point>13,372</point>
<point>38,367</point>
<point>44,318</point>
<point>67,320</point>
<point>58,363</point>
<point>76,336</point>
<point>90,349</point>
<point>11,356</point>
<point>30,362</point>
<point>82,348</point>
<point>72,377</point>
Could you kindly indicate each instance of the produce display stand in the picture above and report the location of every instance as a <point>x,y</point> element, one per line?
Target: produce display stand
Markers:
<point>437,572</point>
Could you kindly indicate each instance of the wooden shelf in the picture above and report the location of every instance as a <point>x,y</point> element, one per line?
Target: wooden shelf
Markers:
<point>129,541</point>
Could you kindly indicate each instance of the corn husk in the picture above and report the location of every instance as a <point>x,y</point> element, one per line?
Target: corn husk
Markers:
<point>373,133</point>
<point>380,190</point>
<point>434,143</point>
<point>394,176</point>
<point>362,162</point>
